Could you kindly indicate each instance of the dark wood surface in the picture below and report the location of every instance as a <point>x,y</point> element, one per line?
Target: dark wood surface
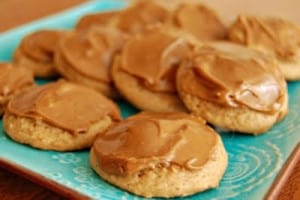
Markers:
<point>287,184</point>
<point>16,12</point>
<point>14,187</point>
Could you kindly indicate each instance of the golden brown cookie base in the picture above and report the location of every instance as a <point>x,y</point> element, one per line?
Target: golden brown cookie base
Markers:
<point>41,135</point>
<point>172,181</point>
<point>141,97</point>
<point>235,119</point>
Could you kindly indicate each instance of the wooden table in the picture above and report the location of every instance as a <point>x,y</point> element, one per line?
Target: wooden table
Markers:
<point>16,12</point>
<point>14,187</point>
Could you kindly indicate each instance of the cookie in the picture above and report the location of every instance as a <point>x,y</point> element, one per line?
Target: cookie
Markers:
<point>97,19</point>
<point>160,155</point>
<point>36,52</point>
<point>200,21</point>
<point>12,80</point>
<point>59,116</point>
<point>85,57</point>
<point>272,36</point>
<point>190,16</point>
<point>144,73</point>
<point>140,14</point>
<point>233,87</point>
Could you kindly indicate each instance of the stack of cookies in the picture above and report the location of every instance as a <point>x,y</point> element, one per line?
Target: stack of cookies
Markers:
<point>178,64</point>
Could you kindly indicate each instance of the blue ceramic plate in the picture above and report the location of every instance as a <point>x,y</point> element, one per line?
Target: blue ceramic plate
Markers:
<point>254,162</point>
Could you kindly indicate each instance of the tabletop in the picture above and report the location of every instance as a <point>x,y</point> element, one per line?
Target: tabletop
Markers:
<point>16,12</point>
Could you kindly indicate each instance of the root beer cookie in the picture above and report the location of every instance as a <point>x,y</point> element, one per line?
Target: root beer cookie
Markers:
<point>97,19</point>
<point>133,19</point>
<point>141,14</point>
<point>13,79</point>
<point>233,87</point>
<point>36,52</point>
<point>85,57</point>
<point>160,155</point>
<point>59,116</point>
<point>190,16</point>
<point>272,36</point>
<point>200,21</point>
<point>144,73</point>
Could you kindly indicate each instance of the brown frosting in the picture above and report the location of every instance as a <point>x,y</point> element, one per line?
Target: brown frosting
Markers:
<point>97,19</point>
<point>91,52</point>
<point>40,45</point>
<point>200,21</point>
<point>154,57</point>
<point>149,140</point>
<point>271,35</point>
<point>65,105</point>
<point>13,78</point>
<point>135,18</point>
<point>232,75</point>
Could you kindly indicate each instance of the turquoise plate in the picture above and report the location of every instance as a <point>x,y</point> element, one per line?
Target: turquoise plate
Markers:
<point>254,162</point>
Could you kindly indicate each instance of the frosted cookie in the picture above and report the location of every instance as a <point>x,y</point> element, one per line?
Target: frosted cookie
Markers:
<point>59,116</point>
<point>190,16</point>
<point>97,19</point>
<point>85,57</point>
<point>160,155</point>
<point>272,36</point>
<point>144,73</point>
<point>140,14</point>
<point>12,80</point>
<point>233,87</point>
<point>36,52</point>
<point>133,19</point>
<point>200,21</point>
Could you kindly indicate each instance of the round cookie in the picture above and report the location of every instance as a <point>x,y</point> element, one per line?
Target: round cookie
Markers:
<point>233,87</point>
<point>271,36</point>
<point>97,19</point>
<point>85,57</point>
<point>36,52</point>
<point>133,19</point>
<point>190,16</point>
<point>13,79</point>
<point>144,73</point>
<point>59,116</point>
<point>160,155</point>
<point>200,21</point>
<point>140,14</point>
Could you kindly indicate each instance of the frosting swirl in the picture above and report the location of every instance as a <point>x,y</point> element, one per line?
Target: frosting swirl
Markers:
<point>157,63</point>
<point>234,76</point>
<point>65,105</point>
<point>149,140</point>
<point>273,36</point>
